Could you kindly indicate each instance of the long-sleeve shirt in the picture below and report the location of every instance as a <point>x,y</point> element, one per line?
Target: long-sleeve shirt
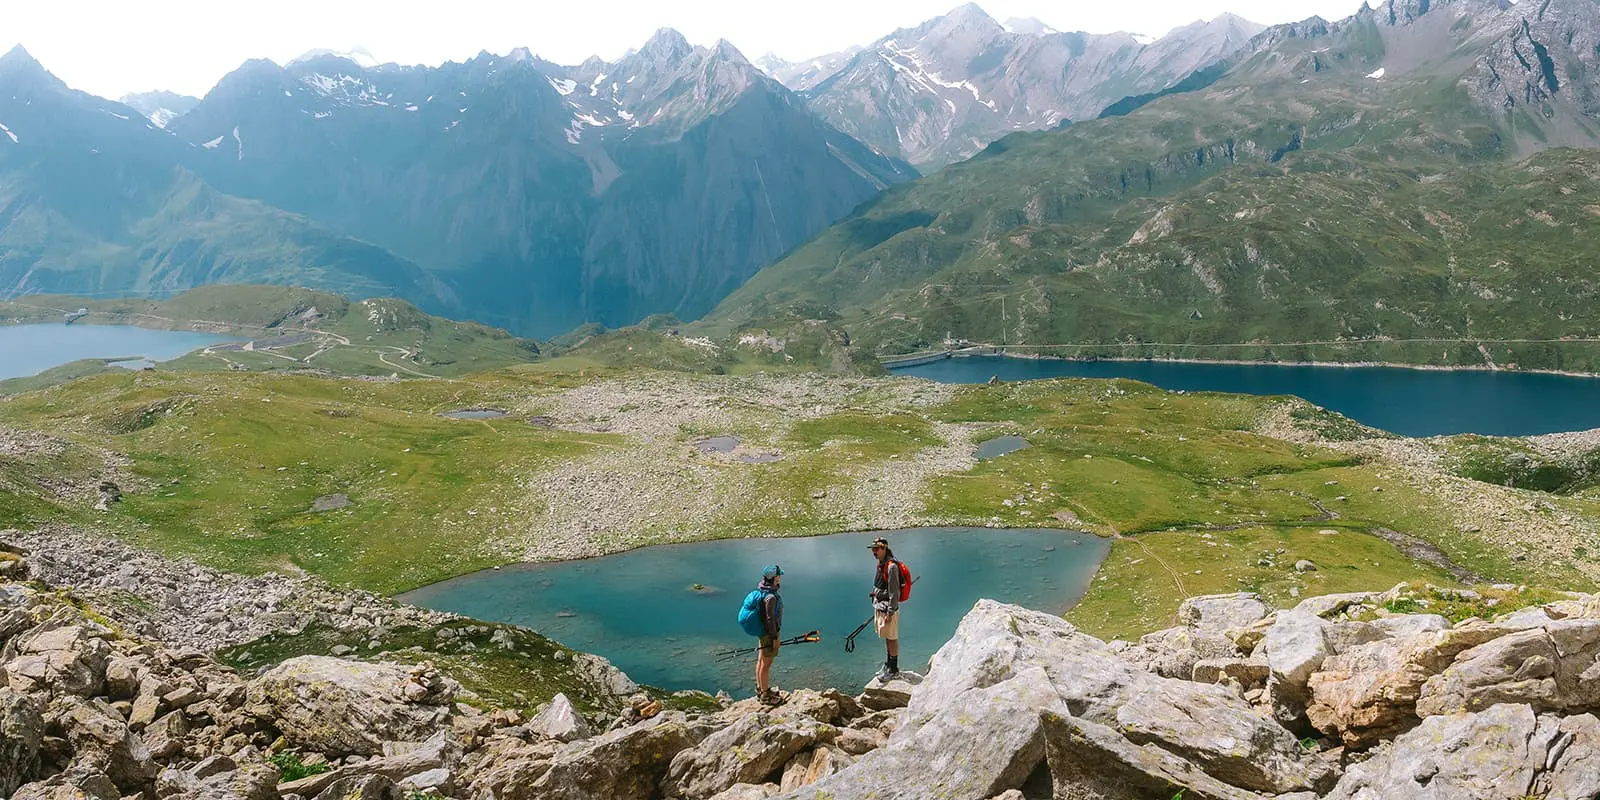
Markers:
<point>772,613</point>
<point>886,587</point>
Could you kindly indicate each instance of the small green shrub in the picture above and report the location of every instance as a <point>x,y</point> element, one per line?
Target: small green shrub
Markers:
<point>293,768</point>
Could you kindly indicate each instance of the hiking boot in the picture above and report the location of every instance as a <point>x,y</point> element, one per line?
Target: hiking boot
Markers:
<point>773,697</point>
<point>886,674</point>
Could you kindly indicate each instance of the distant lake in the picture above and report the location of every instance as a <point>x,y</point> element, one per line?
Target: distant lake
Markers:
<point>31,349</point>
<point>639,609</point>
<point>1412,402</point>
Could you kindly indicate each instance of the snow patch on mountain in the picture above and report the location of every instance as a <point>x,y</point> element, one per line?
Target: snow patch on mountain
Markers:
<point>1377,75</point>
<point>346,90</point>
<point>214,143</point>
<point>917,71</point>
<point>239,141</point>
<point>7,132</point>
<point>562,86</point>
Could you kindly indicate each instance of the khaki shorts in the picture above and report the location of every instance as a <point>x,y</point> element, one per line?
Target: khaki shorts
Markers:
<point>766,648</point>
<point>887,624</point>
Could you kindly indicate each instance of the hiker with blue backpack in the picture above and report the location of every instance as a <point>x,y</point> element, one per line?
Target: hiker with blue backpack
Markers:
<point>761,615</point>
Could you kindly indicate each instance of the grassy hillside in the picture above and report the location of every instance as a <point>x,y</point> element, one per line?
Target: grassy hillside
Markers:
<point>1202,492</point>
<point>1303,207</point>
<point>292,329</point>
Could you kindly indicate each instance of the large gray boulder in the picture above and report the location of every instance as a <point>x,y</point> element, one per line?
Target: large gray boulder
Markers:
<point>1489,755</point>
<point>1223,612</point>
<point>1370,692</point>
<point>63,660</point>
<point>1088,760</point>
<point>439,752</point>
<point>1549,668</point>
<point>21,731</point>
<point>505,768</point>
<point>1574,757</point>
<point>561,721</point>
<point>249,782</point>
<point>1295,647</point>
<point>342,708</point>
<point>73,784</point>
<point>751,750</point>
<point>101,742</point>
<point>625,764</point>
<point>975,727</point>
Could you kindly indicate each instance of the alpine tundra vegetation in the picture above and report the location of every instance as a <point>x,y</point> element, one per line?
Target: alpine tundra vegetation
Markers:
<point>208,564</point>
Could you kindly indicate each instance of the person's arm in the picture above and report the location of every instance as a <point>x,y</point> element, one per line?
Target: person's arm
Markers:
<point>893,577</point>
<point>770,615</point>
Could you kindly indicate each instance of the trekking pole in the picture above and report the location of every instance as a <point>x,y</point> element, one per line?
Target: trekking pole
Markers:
<point>850,641</point>
<point>808,638</point>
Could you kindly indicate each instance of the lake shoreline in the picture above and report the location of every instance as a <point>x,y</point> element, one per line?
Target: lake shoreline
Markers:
<point>512,566</point>
<point>1242,362</point>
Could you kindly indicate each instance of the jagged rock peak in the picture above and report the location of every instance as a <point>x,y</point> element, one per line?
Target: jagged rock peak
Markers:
<point>18,55</point>
<point>19,62</point>
<point>725,50</point>
<point>666,43</point>
<point>967,17</point>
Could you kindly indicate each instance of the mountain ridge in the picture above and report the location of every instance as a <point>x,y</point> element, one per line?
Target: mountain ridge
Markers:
<point>1109,234</point>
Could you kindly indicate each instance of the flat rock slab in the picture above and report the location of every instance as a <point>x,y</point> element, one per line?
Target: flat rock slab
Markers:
<point>330,502</point>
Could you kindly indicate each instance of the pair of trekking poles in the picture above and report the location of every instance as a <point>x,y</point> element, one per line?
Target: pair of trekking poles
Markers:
<point>809,638</point>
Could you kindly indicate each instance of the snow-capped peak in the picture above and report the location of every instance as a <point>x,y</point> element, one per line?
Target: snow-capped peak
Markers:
<point>360,56</point>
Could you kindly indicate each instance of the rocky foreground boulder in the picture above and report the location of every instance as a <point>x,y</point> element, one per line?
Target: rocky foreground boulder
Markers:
<point>1334,698</point>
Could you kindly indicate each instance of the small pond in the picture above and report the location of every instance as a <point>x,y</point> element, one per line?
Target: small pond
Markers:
<point>642,609</point>
<point>475,413</point>
<point>31,349</point>
<point>995,448</point>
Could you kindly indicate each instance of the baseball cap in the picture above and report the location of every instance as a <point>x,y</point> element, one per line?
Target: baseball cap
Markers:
<point>878,542</point>
<point>772,571</point>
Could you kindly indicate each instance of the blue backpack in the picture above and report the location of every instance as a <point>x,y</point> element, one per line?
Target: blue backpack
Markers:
<point>750,613</point>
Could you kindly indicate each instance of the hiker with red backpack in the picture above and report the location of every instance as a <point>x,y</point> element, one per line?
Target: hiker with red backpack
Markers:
<point>891,585</point>
<point>761,615</point>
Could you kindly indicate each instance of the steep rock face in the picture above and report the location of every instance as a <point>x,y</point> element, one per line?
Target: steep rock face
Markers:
<point>546,196</point>
<point>942,91</point>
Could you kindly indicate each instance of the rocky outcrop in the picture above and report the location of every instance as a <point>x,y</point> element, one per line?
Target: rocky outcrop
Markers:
<point>1334,698</point>
<point>342,708</point>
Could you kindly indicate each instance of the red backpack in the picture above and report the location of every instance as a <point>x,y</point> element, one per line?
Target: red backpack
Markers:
<point>905,577</point>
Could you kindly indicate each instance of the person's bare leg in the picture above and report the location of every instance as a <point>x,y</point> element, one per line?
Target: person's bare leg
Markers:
<point>763,671</point>
<point>893,646</point>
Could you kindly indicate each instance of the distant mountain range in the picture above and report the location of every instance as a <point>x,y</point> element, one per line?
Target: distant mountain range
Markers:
<point>161,107</point>
<point>506,189</point>
<point>522,193</point>
<point>942,91</point>
<point>1420,172</point>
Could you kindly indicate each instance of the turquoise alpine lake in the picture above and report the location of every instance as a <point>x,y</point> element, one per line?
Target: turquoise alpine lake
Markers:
<point>1410,402</point>
<point>31,349</point>
<point>662,614</point>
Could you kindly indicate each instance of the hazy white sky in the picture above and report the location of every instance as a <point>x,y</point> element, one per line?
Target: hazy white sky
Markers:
<point>111,47</point>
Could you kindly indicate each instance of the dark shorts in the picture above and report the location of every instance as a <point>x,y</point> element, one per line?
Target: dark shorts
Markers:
<point>766,645</point>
